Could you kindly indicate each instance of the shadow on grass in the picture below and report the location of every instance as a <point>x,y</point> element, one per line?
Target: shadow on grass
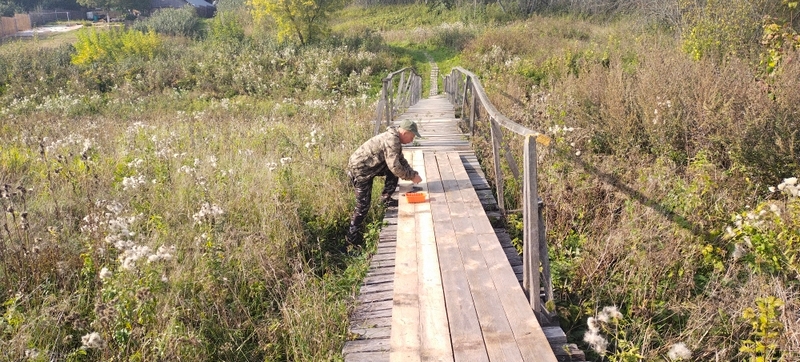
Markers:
<point>665,211</point>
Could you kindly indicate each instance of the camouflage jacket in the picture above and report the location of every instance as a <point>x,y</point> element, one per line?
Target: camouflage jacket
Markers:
<point>378,153</point>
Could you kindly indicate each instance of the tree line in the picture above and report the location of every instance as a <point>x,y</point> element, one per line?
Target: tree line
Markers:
<point>11,7</point>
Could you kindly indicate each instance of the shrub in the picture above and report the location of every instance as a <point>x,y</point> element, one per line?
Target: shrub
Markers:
<point>719,29</point>
<point>225,28</point>
<point>451,36</point>
<point>175,22</point>
<point>110,47</point>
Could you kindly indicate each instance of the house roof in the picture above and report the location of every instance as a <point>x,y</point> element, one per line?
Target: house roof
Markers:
<point>199,3</point>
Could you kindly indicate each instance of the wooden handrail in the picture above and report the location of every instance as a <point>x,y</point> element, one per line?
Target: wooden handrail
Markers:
<point>464,90</point>
<point>396,99</point>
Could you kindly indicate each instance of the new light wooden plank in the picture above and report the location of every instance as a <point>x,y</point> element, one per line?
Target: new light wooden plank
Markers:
<point>405,343</point>
<point>497,332</point>
<point>465,334</point>
<point>529,335</point>
<point>367,357</point>
<point>434,331</point>
<point>366,345</point>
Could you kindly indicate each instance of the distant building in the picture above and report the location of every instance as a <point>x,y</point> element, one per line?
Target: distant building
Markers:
<point>203,9</point>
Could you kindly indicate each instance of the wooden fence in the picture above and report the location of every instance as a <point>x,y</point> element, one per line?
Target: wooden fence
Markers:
<point>22,22</point>
<point>396,98</point>
<point>44,17</point>
<point>13,25</point>
<point>465,91</point>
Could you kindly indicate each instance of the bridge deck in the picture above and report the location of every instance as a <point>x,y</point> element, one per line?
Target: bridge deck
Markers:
<point>441,286</point>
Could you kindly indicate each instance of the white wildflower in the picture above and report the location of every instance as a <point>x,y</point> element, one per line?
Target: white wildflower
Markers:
<point>679,351</point>
<point>591,322</point>
<point>135,163</point>
<point>133,182</point>
<point>775,209</point>
<point>105,273</point>
<point>285,160</point>
<point>31,353</point>
<point>596,341</point>
<point>207,211</point>
<point>163,253</point>
<point>612,312</point>
<point>738,251</point>
<point>115,207</point>
<point>130,256</point>
<point>93,340</point>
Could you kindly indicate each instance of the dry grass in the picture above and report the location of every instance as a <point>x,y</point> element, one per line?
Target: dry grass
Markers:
<point>660,151</point>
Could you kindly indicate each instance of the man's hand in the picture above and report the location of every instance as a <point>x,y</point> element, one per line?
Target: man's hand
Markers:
<point>416,179</point>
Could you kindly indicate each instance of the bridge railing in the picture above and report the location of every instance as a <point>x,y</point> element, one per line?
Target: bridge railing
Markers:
<point>465,91</point>
<point>401,89</point>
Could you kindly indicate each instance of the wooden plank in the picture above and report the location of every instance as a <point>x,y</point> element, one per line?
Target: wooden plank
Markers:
<point>375,297</point>
<point>377,278</point>
<point>527,332</point>
<point>366,345</point>
<point>465,333</point>
<point>382,270</point>
<point>371,314</point>
<point>497,333</point>
<point>376,288</point>
<point>405,344</point>
<point>367,357</point>
<point>374,306</point>
<point>384,257</point>
<point>382,263</point>
<point>434,330</point>
<point>373,323</point>
<point>371,332</point>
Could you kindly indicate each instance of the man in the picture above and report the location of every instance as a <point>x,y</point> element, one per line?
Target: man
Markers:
<point>381,155</point>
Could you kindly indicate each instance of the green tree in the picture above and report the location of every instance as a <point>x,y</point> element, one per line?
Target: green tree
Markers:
<point>120,5</point>
<point>304,19</point>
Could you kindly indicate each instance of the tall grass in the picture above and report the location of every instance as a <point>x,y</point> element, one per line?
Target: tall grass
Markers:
<point>655,155</point>
<point>185,207</point>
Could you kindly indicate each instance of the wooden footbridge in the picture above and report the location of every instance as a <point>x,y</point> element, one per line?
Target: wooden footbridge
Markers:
<point>446,284</point>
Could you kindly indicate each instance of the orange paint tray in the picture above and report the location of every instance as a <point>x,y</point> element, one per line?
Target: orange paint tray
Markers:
<point>415,197</point>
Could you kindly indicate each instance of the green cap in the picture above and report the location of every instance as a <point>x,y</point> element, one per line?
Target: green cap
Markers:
<point>410,125</point>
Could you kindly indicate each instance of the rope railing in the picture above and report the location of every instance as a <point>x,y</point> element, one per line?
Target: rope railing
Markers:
<point>397,96</point>
<point>465,92</point>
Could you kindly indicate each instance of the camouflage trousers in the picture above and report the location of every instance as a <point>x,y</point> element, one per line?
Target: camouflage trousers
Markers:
<point>363,191</point>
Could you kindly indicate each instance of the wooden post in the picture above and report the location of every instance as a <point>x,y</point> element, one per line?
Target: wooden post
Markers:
<point>401,91</point>
<point>463,93</point>
<point>379,116</point>
<point>512,164</point>
<point>459,81</point>
<point>472,111</point>
<point>530,254</point>
<point>385,97</point>
<point>498,173</point>
<point>390,103</point>
<point>544,256</point>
